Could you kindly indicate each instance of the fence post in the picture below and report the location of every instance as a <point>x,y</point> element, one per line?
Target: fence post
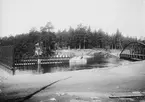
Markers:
<point>38,64</point>
<point>13,60</point>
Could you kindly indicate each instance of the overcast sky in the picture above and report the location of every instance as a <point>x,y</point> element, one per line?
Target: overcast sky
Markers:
<point>19,16</point>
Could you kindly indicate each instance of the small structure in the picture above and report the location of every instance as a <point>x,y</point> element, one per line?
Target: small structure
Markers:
<point>38,49</point>
<point>38,52</point>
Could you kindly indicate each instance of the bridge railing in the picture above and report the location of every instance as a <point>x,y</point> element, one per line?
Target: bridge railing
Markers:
<point>133,56</point>
<point>133,51</point>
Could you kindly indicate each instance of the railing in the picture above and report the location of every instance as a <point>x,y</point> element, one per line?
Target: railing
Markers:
<point>10,61</point>
<point>43,60</point>
<point>133,51</point>
<point>133,56</point>
<point>6,56</point>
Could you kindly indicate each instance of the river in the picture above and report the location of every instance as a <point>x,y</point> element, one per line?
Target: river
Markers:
<point>51,68</point>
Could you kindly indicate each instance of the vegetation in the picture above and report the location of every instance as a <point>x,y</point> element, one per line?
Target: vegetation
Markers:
<point>81,37</point>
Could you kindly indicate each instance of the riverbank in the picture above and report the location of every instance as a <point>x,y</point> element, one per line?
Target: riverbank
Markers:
<point>83,84</point>
<point>80,52</point>
<point>96,56</point>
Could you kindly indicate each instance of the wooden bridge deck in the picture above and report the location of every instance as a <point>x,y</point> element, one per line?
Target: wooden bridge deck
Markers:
<point>135,57</point>
<point>133,51</point>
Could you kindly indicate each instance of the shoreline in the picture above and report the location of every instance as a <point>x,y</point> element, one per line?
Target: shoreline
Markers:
<point>87,83</point>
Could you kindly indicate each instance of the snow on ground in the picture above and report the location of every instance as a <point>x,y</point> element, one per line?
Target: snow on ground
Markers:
<point>3,73</point>
<point>115,52</point>
<point>131,68</point>
<point>79,52</point>
<point>77,76</point>
<point>90,82</point>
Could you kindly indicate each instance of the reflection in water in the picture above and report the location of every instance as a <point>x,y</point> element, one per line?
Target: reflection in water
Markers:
<point>46,68</point>
<point>51,68</point>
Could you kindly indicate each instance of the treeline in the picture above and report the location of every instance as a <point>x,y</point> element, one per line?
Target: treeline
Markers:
<point>81,37</point>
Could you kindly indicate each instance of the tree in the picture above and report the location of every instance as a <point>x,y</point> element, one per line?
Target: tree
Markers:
<point>48,38</point>
<point>80,37</point>
<point>47,28</point>
<point>33,29</point>
<point>118,39</point>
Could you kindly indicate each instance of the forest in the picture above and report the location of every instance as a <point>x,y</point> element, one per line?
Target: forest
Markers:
<point>81,37</point>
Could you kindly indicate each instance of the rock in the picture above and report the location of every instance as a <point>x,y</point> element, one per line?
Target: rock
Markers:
<point>61,94</point>
<point>73,100</point>
<point>49,100</point>
<point>52,99</point>
<point>94,98</point>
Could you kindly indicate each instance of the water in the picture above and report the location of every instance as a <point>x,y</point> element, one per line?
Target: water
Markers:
<point>51,68</point>
<point>100,61</point>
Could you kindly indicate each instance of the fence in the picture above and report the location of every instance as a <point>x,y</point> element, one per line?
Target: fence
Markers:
<point>7,56</point>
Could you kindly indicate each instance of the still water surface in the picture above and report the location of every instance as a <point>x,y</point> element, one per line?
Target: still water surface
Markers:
<point>51,68</point>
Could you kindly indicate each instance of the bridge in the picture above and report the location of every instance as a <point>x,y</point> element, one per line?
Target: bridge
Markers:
<point>11,62</point>
<point>134,51</point>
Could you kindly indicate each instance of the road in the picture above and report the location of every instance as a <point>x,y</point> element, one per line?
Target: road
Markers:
<point>94,85</point>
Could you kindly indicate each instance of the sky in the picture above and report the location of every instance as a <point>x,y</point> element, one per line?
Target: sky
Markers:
<point>19,16</point>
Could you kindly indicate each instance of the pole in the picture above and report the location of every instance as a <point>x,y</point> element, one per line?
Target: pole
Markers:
<point>13,60</point>
<point>39,60</point>
<point>38,64</point>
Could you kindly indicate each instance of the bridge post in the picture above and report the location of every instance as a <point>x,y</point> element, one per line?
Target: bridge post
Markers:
<point>13,60</point>
<point>38,50</point>
<point>13,70</point>
<point>38,64</point>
